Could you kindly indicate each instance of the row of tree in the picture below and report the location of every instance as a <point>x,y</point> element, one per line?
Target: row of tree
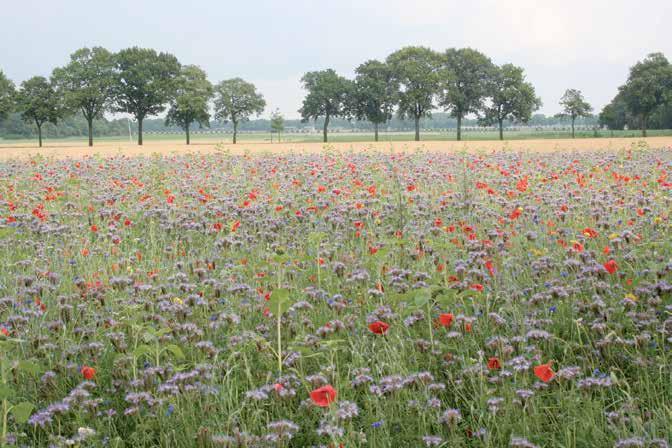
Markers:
<point>137,81</point>
<point>646,95</point>
<point>410,83</point>
<point>414,81</point>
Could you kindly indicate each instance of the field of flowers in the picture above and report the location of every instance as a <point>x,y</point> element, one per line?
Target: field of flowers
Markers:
<point>337,300</point>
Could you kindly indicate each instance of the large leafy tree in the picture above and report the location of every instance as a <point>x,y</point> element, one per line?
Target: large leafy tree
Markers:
<point>574,106</point>
<point>87,82</point>
<point>329,96</point>
<point>145,82</point>
<point>511,98</point>
<point>190,103</point>
<point>649,87</point>
<point>7,93</point>
<point>39,102</point>
<point>414,69</point>
<point>375,93</point>
<point>236,100</point>
<point>465,76</point>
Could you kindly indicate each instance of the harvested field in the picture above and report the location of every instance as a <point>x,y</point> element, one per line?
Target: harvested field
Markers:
<point>108,148</point>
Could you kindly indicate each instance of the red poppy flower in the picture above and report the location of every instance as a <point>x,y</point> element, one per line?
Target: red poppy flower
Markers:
<point>323,396</point>
<point>476,287</point>
<point>515,214</point>
<point>590,233</point>
<point>446,319</point>
<point>544,372</point>
<point>522,185</point>
<point>494,363</point>
<point>611,266</point>
<point>88,372</point>
<point>94,228</point>
<point>379,327</point>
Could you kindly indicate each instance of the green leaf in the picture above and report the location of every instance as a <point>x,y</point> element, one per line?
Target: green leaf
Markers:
<point>6,392</point>
<point>175,350</point>
<point>22,412</point>
<point>29,367</point>
<point>422,297</point>
<point>142,350</point>
<point>279,301</point>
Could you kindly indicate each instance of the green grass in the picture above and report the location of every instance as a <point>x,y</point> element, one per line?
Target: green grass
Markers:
<point>360,137</point>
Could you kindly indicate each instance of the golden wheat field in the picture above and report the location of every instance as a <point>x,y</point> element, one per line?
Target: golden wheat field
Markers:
<point>110,148</point>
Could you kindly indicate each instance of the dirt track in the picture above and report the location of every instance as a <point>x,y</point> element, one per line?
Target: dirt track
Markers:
<point>107,148</point>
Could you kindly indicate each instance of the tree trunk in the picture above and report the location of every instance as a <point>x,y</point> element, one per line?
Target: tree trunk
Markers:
<point>39,133</point>
<point>459,126</point>
<point>324,130</point>
<point>90,122</point>
<point>186,128</point>
<point>375,132</point>
<point>501,129</point>
<point>573,119</point>
<point>140,130</point>
<point>235,131</point>
<point>417,128</point>
<point>644,124</point>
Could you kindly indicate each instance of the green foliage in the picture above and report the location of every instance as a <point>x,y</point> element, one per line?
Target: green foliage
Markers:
<point>40,103</point>
<point>7,93</point>
<point>375,92</point>
<point>511,97</point>
<point>86,82</point>
<point>574,105</point>
<point>616,115</point>
<point>191,100</point>
<point>236,100</point>
<point>465,76</point>
<point>415,69</point>
<point>145,82</point>
<point>329,95</point>
<point>649,87</point>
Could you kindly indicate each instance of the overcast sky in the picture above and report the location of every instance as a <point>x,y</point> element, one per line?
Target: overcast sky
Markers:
<point>583,44</point>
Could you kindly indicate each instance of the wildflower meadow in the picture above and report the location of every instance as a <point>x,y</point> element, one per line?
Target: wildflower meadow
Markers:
<point>337,299</point>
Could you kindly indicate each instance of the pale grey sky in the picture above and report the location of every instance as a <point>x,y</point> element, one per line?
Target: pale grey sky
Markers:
<point>583,44</point>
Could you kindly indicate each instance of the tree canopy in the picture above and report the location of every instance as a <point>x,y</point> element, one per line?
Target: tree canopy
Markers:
<point>511,98</point>
<point>7,93</point>
<point>190,103</point>
<point>574,105</point>
<point>649,86</point>
<point>328,96</point>
<point>145,82</point>
<point>375,93</point>
<point>87,83</point>
<point>464,78</point>
<point>415,71</point>
<point>236,100</point>
<point>39,102</point>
